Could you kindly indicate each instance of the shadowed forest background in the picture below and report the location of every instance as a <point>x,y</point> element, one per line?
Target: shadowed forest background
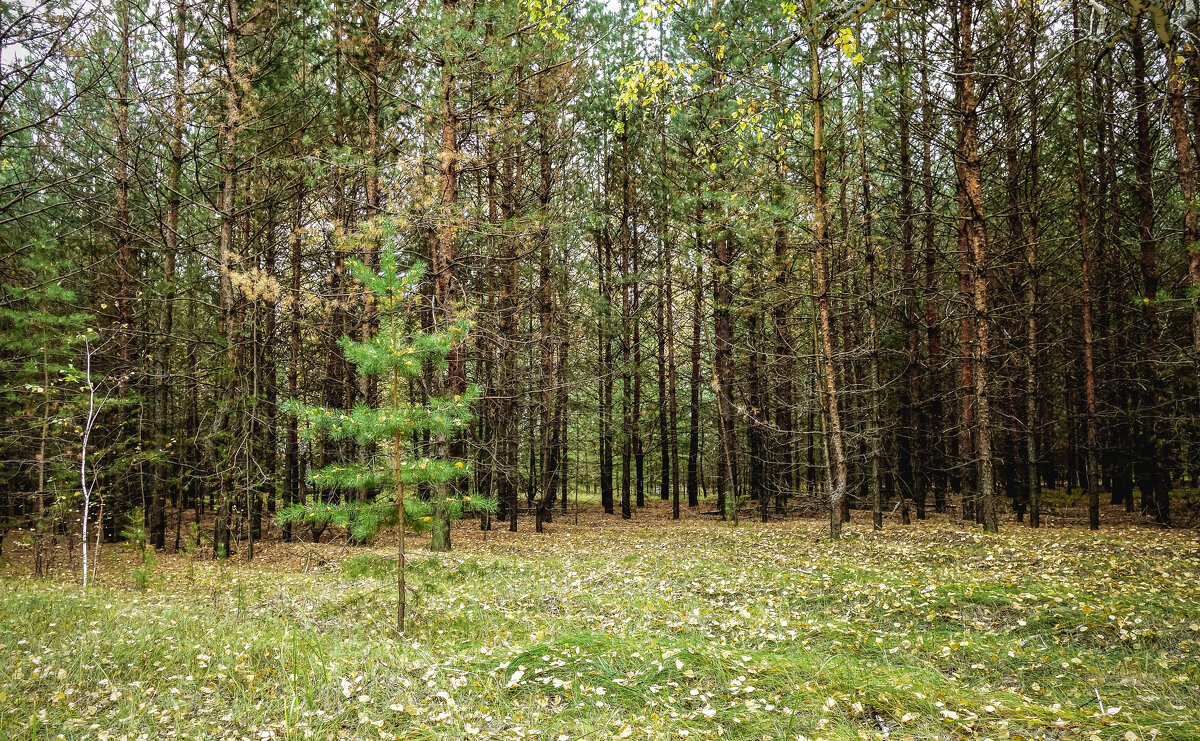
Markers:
<point>761,260</point>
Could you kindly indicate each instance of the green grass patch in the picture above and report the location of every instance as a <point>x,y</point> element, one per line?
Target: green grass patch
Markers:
<point>691,631</point>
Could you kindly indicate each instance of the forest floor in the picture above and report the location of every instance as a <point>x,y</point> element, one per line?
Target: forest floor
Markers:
<point>648,629</point>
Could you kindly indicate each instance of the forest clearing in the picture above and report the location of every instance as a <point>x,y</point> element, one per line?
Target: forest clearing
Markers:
<point>650,629</point>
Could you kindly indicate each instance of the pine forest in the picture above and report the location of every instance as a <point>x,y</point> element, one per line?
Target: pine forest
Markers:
<point>562,369</point>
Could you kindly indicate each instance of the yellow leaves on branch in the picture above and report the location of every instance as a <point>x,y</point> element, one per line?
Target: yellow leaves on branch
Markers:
<point>849,47</point>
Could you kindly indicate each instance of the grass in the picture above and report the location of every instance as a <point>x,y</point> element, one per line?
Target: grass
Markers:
<point>660,631</point>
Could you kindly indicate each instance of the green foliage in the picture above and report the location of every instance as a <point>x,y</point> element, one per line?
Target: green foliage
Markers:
<point>42,389</point>
<point>370,565</point>
<point>134,533</point>
<point>142,574</point>
<point>392,354</point>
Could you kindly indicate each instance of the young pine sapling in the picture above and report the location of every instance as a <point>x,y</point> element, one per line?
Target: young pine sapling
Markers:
<point>392,355</point>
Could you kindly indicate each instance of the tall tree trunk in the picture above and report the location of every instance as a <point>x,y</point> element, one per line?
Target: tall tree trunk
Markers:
<point>723,375</point>
<point>340,386</point>
<point>1150,475</point>
<point>757,403</point>
<point>229,391</point>
<point>563,418</point>
<point>664,445</point>
<point>974,235</point>
<point>833,422</point>
<point>966,467</point>
<point>626,338</point>
<point>293,477</point>
<point>368,384</point>
<point>1108,305</point>
<point>604,259</point>
<point>779,474</point>
<point>1185,166</point>
<point>548,422</point>
<point>508,383</point>
<point>1085,261</point>
<point>269,458</point>
<point>875,426</point>
<point>1031,285</point>
<point>693,461</point>
<point>673,410</point>
<point>909,439</point>
<point>158,519</point>
<point>933,414</point>
<point>639,452</point>
<point>445,296</point>
<point>126,270</point>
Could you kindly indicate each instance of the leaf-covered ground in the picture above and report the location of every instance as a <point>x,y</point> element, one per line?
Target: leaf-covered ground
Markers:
<point>660,631</point>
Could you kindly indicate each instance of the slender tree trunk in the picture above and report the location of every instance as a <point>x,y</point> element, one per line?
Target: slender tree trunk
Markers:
<point>508,383</point>
<point>1185,166</point>
<point>756,396</point>
<point>626,338</point>
<point>367,384</point>
<point>607,492</point>
<point>673,402</point>
<point>971,222</point>
<point>488,454</point>
<point>1151,481</point>
<point>966,433</point>
<point>126,270</point>
<point>693,462</point>
<point>639,452</point>
<point>230,390</point>
<point>933,416</point>
<point>158,519</point>
<point>563,413</point>
<point>1108,304</point>
<point>664,446</point>
<point>723,375</point>
<point>1085,259</point>
<point>604,248</point>
<point>269,460</point>
<point>291,445</point>
<point>548,422</point>
<point>909,439</point>
<point>833,422</point>
<point>446,280</point>
<point>875,431</point>
<point>1031,285</point>
<point>780,446</point>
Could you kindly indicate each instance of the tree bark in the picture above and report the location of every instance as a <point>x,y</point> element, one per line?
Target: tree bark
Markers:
<point>625,238</point>
<point>1085,264</point>
<point>1151,481</point>
<point>158,519</point>
<point>973,236</point>
<point>1033,269</point>
<point>229,391</point>
<point>445,296</point>
<point>932,411</point>
<point>833,422</point>
<point>693,461</point>
<point>909,438</point>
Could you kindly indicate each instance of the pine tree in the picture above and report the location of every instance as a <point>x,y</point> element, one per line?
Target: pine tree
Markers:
<point>39,394</point>
<point>392,355</point>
